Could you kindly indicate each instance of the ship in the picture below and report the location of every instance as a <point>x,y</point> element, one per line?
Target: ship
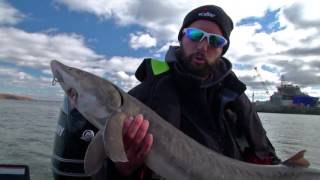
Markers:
<point>291,95</point>
<point>289,99</point>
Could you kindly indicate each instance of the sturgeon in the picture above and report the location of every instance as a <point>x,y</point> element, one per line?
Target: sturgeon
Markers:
<point>173,155</point>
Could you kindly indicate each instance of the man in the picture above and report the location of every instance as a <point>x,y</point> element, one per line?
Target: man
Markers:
<point>196,91</point>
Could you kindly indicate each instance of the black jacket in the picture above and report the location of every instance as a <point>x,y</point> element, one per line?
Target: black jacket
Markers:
<point>215,112</point>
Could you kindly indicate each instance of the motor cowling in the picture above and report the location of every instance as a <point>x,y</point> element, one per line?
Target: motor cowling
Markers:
<point>72,137</point>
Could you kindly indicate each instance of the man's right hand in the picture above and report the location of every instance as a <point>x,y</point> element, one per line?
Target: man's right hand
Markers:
<point>137,143</point>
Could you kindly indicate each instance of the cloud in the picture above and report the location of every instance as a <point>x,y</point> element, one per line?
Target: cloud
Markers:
<point>19,82</point>
<point>101,8</point>
<point>315,64</point>
<point>122,79</point>
<point>303,15</point>
<point>306,51</point>
<point>142,40</point>
<point>164,18</point>
<point>8,14</point>
<point>299,72</point>
<point>161,18</point>
<point>38,49</point>
<point>165,47</point>
<point>292,50</point>
<point>11,72</point>
<point>35,50</point>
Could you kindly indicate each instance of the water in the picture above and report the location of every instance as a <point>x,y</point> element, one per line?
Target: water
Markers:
<point>290,133</point>
<point>27,133</point>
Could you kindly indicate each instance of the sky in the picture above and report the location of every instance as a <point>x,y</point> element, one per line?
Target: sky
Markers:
<point>110,38</point>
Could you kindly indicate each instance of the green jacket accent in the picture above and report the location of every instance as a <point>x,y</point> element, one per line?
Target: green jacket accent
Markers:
<point>159,66</point>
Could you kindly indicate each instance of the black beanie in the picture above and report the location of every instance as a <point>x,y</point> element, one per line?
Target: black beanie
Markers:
<point>211,13</point>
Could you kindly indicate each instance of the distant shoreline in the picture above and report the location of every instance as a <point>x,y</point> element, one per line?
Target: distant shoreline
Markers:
<point>15,97</point>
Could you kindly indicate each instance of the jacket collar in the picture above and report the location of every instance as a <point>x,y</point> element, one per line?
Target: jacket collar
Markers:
<point>221,72</point>
<point>223,78</point>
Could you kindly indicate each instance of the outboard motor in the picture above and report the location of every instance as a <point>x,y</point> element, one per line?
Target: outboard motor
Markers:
<point>73,135</point>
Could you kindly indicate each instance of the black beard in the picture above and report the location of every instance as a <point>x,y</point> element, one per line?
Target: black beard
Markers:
<point>204,70</point>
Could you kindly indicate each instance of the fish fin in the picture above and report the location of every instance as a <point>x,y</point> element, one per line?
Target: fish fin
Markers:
<point>297,160</point>
<point>95,155</point>
<point>113,138</point>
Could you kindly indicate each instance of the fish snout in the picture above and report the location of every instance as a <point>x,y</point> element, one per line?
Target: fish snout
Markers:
<point>56,77</point>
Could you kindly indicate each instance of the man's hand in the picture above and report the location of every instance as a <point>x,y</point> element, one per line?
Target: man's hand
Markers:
<point>137,143</point>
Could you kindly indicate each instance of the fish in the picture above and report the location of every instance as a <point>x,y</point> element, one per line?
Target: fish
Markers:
<point>173,154</point>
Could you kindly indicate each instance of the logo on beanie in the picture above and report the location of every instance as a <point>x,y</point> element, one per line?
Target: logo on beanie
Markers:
<point>207,14</point>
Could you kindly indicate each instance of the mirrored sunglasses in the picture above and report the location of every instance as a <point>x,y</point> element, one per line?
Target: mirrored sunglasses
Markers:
<point>214,40</point>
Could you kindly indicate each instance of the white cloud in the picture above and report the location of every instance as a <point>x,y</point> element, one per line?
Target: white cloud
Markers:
<point>312,91</point>
<point>25,76</point>
<point>165,47</point>
<point>127,64</point>
<point>128,81</point>
<point>15,74</point>
<point>123,75</point>
<point>8,14</point>
<point>160,53</point>
<point>8,72</point>
<point>36,50</point>
<point>142,40</point>
<point>161,18</point>
<point>101,8</point>
<point>303,14</point>
<point>23,83</point>
<point>164,18</point>
<point>287,50</point>
<point>292,51</point>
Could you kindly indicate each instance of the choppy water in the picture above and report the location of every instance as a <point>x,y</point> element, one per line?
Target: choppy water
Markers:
<point>291,133</point>
<point>27,132</point>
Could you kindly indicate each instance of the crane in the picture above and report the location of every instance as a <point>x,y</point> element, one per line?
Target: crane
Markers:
<point>262,82</point>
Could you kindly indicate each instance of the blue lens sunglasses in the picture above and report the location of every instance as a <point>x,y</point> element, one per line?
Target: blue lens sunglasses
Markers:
<point>197,35</point>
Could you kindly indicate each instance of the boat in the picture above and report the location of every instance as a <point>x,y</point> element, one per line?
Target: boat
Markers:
<point>291,95</point>
<point>289,99</point>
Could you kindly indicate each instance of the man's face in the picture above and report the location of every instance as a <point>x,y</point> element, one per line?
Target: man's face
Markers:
<point>198,57</point>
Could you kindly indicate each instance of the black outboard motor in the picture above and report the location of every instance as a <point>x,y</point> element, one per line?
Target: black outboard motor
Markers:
<point>72,138</point>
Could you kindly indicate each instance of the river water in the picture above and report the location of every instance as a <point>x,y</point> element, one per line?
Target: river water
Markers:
<point>27,133</point>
